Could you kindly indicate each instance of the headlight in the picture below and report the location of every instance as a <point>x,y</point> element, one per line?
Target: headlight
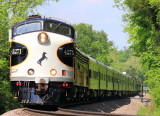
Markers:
<point>53,72</point>
<point>30,71</point>
<point>43,38</point>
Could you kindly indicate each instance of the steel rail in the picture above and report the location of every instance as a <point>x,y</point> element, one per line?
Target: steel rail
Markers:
<point>46,113</point>
<point>66,112</point>
<point>92,113</point>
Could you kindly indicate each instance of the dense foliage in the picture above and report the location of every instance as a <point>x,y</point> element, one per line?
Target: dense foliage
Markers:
<point>96,45</point>
<point>93,43</point>
<point>11,11</point>
<point>143,27</point>
<point>124,61</point>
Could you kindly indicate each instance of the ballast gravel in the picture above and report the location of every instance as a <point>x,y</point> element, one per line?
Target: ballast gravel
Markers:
<point>121,106</point>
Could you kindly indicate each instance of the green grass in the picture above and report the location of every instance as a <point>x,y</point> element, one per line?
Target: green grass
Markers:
<point>149,110</point>
<point>156,112</point>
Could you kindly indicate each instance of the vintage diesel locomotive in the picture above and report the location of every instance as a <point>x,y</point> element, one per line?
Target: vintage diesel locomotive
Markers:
<point>47,68</point>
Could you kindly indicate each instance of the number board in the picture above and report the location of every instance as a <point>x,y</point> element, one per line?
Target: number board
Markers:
<point>69,52</point>
<point>16,51</point>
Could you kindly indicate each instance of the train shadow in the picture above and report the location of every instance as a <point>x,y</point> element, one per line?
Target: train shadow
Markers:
<point>103,106</point>
<point>43,107</point>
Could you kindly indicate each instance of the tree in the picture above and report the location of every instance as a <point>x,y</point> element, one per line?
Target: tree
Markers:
<point>93,43</point>
<point>143,26</point>
<point>123,61</point>
<point>133,67</point>
<point>114,56</point>
<point>96,45</point>
<point>11,11</point>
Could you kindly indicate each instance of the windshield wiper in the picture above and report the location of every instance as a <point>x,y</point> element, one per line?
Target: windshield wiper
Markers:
<point>57,26</point>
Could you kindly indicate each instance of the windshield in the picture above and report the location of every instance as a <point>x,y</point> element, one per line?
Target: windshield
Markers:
<point>58,28</point>
<point>28,27</point>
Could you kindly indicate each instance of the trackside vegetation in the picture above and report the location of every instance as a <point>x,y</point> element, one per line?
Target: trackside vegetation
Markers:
<point>143,27</point>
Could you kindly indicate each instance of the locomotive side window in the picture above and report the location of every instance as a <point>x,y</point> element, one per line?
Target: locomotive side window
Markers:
<point>57,27</point>
<point>28,27</point>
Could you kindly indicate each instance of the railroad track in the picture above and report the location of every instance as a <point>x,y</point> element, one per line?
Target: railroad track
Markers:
<point>66,112</point>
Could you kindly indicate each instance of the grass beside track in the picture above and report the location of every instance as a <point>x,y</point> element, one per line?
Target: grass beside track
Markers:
<point>149,110</point>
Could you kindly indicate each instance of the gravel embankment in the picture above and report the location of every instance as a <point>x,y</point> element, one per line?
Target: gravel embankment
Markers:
<point>133,107</point>
<point>121,106</point>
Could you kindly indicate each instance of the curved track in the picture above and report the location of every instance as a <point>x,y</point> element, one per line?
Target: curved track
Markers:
<point>66,112</point>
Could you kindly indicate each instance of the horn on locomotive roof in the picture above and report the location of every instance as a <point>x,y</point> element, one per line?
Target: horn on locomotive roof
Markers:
<point>59,19</point>
<point>34,16</point>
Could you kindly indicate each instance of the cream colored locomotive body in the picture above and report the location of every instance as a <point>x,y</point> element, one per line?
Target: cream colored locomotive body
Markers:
<point>19,72</point>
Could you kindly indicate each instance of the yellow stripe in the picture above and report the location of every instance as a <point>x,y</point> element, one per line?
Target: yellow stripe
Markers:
<point>10,62</point>
<point>18,93</point>
<point>57,54</point>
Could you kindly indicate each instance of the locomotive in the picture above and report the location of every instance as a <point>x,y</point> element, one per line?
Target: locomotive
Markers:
<point>47,68</point>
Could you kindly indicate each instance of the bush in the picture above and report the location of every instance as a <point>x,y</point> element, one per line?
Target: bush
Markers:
<point>7,102</point>
<point>153,81</point>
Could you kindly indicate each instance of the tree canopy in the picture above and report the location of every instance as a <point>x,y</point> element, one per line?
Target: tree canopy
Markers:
<point>96,45</point>
<point>143,26</point>
<point>124,61</point>
<point>93,43</point>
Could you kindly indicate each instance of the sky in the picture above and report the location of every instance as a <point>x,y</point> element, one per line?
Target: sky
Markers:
<point>99,13</point>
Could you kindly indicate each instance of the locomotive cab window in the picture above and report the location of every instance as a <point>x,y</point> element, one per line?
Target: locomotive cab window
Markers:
<point>57,27</point>
<point>28,27</point>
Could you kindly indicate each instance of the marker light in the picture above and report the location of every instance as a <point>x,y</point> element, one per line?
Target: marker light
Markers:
<point>63,72</point>
<point>64,84</point>
<point>43,38</point>
<point>53,72</point>
<point>30,71</point>
<point>20,83</point>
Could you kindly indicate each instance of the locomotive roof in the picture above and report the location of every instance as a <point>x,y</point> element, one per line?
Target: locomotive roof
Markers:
<point>43,20</point>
